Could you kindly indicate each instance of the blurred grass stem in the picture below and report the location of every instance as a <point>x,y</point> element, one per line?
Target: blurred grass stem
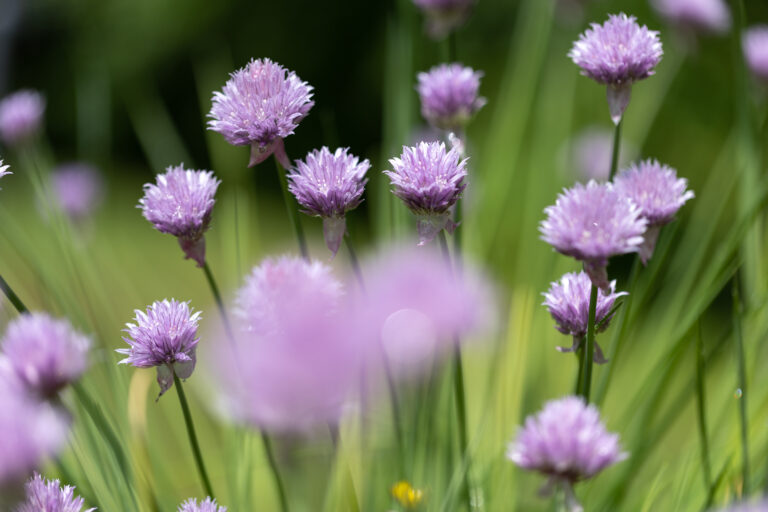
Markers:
<point>269,452</point>
<point>219,302</point>
<point>701,403</point>
<point>742,385</point>
<point>192,436</point>
<point>292,211</point>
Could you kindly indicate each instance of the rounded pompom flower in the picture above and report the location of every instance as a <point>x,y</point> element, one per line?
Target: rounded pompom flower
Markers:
<point>328,185</point>
<point>181,204</point>
<point>657,192</point>
<point>21,115</point>
<point>50,496</point>
<point>429,180</point>
<point>567,442</point>
<point>706,15</point>
<point>207,505</point>
<point>165,336</point>
<point>45,353</point>
<point>568,302</point>
<point>617,53</point>
<point>593,223</point>
<point>444,16</point>
<point>755,43</point>
<point>449,95</point>
<point>259,106</point>
<point>77,188</point>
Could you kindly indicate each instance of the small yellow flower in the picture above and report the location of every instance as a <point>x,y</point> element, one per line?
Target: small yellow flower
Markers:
<point>407,495</point>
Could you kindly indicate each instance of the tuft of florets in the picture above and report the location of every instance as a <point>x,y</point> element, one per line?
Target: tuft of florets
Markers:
<point>50,496</point>
<point>165,336</point>
<point>706,15</point>
<point>444,16</point>
<point>260,105</point>
<point>4,169</point>
<point>449,95</point>
<point>755,43</point>
<point>21,115</point>
<point>207,505</point>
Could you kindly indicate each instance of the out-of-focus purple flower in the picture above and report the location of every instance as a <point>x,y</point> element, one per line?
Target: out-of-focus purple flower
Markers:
<point>568,302</point>
<point>207,505</point>
<point>296,361</point>
<point>46,353</point>
<point>78,189</point>
<point>657,192</point>
<point>592,223</point>
<point>617,54</point>
<point>589,155</point>
<point>328,185</point>
<point>165,336</point>
<point>50,496</point>
<point>444,16</point>
<point>754,506</point>
<point>21,115</point>
<point>567,442</point>
<point>706,15</point>
<point>429,180</point>
<point>755,43</point>
<point>449,95</point>
<point>181,204</point>
<point>259,106</point>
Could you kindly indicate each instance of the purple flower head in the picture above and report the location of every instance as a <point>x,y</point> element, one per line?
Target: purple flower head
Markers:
<point>568,302</point>
<point>565,441</point>
<point>448,95</point>
<point>165,336</point>
<point>657,192</point>
<point>45,353</point>
<point>755,43</point>
<point>78,189</point>
<point>4,169</point>
<point>444,16</point>
<point>21,115</point>
<point>260,105</point>
<point>429,180</point>
<point>705,15</point>
<point>181,204</point>
<point>50,496</point>
<point>617,53</point>
<point>592,223</point>
<point>328,185</point>
<point>207,505</point>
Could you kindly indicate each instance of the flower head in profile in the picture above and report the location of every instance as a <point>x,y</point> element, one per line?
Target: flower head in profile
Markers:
<point>444,16</point>
<point>328,185</point>
<point>21,115</point>
<point>568,302</point>
<point>259,106</point>
<point>77,188</point>
<point>429,179</point>
<point>657,192</point>
<point>755,44</point>
<point>592,223</point>
<point>180,203</point>
<point>46,353</point>
<point>207,505</point>
<point>617,54</point>
<point>50,496</point>
<point>163,336</point>
<point>704,15</point>
<point>567,442</point>
<point>449,95</point>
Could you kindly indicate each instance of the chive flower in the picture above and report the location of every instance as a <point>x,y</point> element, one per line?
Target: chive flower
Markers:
<point>50,496</point>
<point>207,505</point>
<point>592,223</point>
<point>164,336</point>
<point>444,16</point>
<point>702,15</point>
<point>755,45</point>
<point>21,115</point>
<point>77,189</point>
<point>657,192</point>
<point>4,169</point>
<point>328,185</point>
<point>429,180</point>
<point>259,106</point>
<point>449,95</point>
<point>180,203</point>
<point>617,54</point>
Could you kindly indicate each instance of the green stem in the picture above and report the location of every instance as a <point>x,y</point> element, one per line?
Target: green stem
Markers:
<point>742,386</point>
<point>589,349</point>
<point>275,471</point>
<point>219,302</point>
<point>701,401</point>
<point>616,149</point>
<point>292,211</point>
<point>397,420</point>
<point>580,361</point>
<point>15,300</point>
<point>355,263</point>
<point>192,436</point>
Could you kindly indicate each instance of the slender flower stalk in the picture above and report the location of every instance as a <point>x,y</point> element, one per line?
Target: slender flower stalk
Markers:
<point>742,392</point>
<point>615,151</point>
<point>275,469</point>
<point>292,211</point>
<point>701,408</point>
<point>589,354</point>
<point>219,302</point>
<point>12,297</point>
<point>192,436</point>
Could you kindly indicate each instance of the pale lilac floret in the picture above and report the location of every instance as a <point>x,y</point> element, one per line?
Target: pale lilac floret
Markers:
<point>207,505</point>
<point>592,223</point>
<point>4,169</point>
<point>760,505</point>
<point>165,336</point>
<point>755,43</point>
<point>45,352</point>
<point>449,95</point>
<point>568,302</point>
<point>429,180</point>
<point>328,185</point>
<point>657,192</point>
<point>180,203</point>
<point>444,16</point>
<point>51,496</point>
<point>78,189</point>
<point>617,53</point>
<point>567,442</point>
<point>707,15</point>
<point>21,115</point>
<point>259,106</point>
